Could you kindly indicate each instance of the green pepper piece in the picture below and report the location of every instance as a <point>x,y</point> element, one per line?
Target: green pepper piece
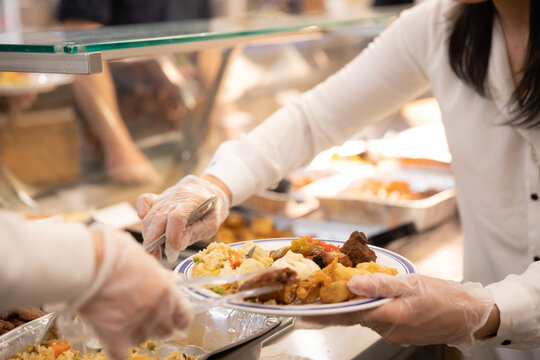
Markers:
<point>279,253</point>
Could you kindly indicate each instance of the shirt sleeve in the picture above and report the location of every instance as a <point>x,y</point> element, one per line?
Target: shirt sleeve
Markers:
<point>388,73</point>
<point>518,300</point>
<point>43,262</point>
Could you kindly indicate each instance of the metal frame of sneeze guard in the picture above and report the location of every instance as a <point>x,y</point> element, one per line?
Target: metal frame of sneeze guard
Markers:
<point>85,63</point>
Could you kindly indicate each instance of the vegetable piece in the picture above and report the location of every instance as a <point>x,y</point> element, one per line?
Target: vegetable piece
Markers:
<point>279,253</point>
<point>328,247</point>
<point>151,345</point>
<point>59,349</point>
<point>218,290</point>
<point>235,259</point>
<point>303,245</point>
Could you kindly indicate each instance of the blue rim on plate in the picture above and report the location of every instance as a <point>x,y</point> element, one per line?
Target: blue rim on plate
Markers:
<point>384,257</point>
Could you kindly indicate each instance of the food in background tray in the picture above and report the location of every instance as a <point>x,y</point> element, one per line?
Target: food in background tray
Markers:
<point>364,156</point>
<point>300,179</point>
<point>235,228</point>
<point>14,78</point>
<point>320,274</point>
<point>10,320</point>
<point>388,190</point>
<point>62,350</point>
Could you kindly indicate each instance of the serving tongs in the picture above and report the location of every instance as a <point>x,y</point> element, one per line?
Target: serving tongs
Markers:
<point>200,212</point>
<point>225,300</point>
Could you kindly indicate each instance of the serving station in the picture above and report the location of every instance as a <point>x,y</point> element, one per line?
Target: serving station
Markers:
<point>404,202</point>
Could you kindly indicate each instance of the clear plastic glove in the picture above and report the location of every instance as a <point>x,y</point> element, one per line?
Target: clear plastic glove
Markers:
<point>132,299</point>
<point>167,213</point>
<point>424,310</point>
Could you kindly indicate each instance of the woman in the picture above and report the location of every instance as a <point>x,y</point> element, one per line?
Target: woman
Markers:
<point>481,59</point>
<point>103,275</point>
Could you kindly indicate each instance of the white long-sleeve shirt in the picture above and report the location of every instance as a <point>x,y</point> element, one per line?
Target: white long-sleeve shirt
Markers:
<point>43,262</point>
<point>496,177</point>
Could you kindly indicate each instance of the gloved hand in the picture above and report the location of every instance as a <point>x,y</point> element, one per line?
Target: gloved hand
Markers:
<point>168,213</point>
<point>132,299</point>
<point>424,310</point>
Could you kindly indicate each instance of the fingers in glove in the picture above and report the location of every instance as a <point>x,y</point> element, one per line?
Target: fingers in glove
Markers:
<point>380,285</point>
<point>157,254</point>
<point>202,229</point>
<point>153,226</point>
<point>144,204</point>
<point>175,234</point>
<point>116,349</point>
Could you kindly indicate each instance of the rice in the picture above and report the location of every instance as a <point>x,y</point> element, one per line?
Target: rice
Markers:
<point>219,258</point>
<point>48,353</point>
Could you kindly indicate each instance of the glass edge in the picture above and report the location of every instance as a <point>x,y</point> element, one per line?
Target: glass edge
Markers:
<point>171,40</point>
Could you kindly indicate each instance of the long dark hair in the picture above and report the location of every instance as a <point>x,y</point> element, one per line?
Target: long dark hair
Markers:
<point>469,48</point>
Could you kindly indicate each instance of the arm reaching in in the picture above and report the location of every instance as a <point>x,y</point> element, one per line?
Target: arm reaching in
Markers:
<point>106,277</point>
<point>132,298</point>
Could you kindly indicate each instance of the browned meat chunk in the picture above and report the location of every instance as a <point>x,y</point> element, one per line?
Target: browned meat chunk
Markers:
<point>324,258</point>
<point>30,313</point>
<point>285,277</point>
<point>317,256</point>
<point>343,259</point>
<point>357,250</point>
<point>5,326</point>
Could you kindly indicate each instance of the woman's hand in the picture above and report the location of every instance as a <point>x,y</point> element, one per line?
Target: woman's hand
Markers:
<point>167,213</point>
<point>132,298</point>
<point>423,311</point>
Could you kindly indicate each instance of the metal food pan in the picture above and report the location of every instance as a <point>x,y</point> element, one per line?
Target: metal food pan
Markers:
<point>212,332</point>
<point>423,213</point>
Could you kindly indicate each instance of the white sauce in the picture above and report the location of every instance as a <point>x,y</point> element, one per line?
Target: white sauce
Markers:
<point>303,267</point>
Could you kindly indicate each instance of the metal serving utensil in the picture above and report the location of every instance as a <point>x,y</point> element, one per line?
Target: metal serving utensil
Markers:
<point>196,215</point>
<point>223,300</point>
<point>220,279</point>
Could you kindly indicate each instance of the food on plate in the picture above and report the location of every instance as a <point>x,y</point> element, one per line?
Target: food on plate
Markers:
<point>220,258</point>
<point>388,190</point>
<point>235,228</point>
<point>330,283</point>
<point>297,262</point>
<point>308,270</point>
<point>10,320</point>
<point>285,277</point>
<point>62,350</point>
<point>357,250</point>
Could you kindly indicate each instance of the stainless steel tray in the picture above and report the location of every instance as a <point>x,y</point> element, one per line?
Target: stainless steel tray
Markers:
<point>212,332</point>
<point>423,213</point>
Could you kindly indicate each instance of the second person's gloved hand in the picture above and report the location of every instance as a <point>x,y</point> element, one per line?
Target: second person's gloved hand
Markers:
<point>424,310</point>
<point>167,213</point>
<point>132,297</point>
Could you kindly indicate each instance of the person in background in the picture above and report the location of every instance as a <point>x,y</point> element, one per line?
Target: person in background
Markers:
<point>481,59</point>
<point>122,293</point>
<point>96,94</point>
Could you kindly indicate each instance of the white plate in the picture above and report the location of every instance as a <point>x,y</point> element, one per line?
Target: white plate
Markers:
<point>37,83</point>
<point>384,257</point>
